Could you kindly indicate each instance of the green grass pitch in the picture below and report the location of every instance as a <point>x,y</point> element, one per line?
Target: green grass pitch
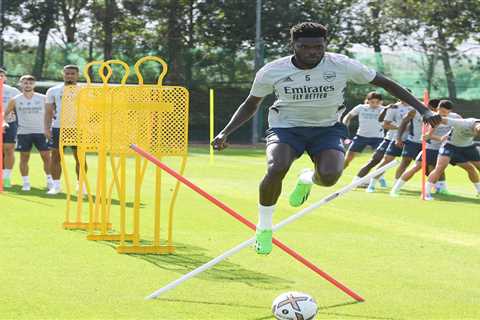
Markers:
<point>409,259</point>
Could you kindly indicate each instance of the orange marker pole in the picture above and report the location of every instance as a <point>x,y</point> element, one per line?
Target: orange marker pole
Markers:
<point>426,100</point>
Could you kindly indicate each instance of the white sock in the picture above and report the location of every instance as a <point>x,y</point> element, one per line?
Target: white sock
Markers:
<point>265,215</point>
<point>25,179</point>
<point>428,187</point>
<point>398,185</point>
<point>441,185</point>
<point>307,177</point>
<point>477,186</point>
<point>56,184</point>
<point>373,183</point>
<point>49,178</point>
<point>7,173</point>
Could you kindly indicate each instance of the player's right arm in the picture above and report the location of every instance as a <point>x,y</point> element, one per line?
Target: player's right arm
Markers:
<point>10,109</point>
<point>262,86</point>
<point>49,112</point>
<point>353,113</point>
<point>244,113</point>
<point>388,118</point>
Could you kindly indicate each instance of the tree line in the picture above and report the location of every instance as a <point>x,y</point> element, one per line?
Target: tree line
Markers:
<point>212,41</point>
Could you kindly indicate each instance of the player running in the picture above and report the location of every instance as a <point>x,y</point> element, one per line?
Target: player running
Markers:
<point>393,119</point>
<point>9,131</point>
<point>370,130</point>
<point>309,88</point>
<point>459,150</point>
<point>30,109</point>
<point>52,129</point>
<point>435,137</point>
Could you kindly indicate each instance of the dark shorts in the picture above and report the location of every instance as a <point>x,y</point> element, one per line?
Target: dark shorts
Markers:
<point>26,141</point>
<point>382,147</point>
<point>393,150</point>
<point>310,139</point>
<point>411,149</point>
<point>432,156</point>
<point>54,142</point>
<point>460,154</point>
<point>359,143</point>
<point>10,135</point>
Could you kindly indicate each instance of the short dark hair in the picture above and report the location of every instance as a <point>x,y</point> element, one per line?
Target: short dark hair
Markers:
<point>27,77</point>
<point>308,30</point>
<point>3,70</point>
<point>433,103</point>
<point>71,67</point>
<point>374,95</point>
<point>447,104</point>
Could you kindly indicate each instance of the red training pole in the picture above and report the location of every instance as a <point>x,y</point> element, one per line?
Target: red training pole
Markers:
<point>1,136</point>
<point>246,222</point>
<point>426,100</point>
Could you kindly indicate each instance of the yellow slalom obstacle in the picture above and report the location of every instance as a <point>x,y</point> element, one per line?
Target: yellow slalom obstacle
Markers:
<point>109,118</point>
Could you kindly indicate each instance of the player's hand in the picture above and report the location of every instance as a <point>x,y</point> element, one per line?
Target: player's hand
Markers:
<point>432,118</point>
<point>220,142</point>
<point>48,134</point>
<point>426,136</point>
<point>4,126</point>
<point>444,138</point>
<point>399,143</point>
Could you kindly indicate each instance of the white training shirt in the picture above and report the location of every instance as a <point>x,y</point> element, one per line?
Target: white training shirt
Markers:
<point>442,130</point>
<point>54,95</point>
<point>462,133</point>
<point>8,93</point>
<point>395,116</point>
<point>415,128</point>
<point>368,124</point>
<point>30,113</point>
<point>311,97</point>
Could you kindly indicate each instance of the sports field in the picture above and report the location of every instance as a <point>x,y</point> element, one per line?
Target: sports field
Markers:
<point>409,259</point>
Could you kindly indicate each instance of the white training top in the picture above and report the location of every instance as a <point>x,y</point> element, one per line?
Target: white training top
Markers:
<point>310,97</point>
<point>395,116</point>
<point>30,113</point>
<point>442,130</point>
<point>462,133</point>
<point>54,95</point>
<point>415,128</point>
<point>8,93</point>
<point>368,124</point>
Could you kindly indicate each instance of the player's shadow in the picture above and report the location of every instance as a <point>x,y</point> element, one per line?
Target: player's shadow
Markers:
<point>188,257</point>
<point>442,197</point>
<point>42,193</point>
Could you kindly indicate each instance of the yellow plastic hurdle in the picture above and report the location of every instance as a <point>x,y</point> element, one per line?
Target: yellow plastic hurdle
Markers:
<point>109,118</point>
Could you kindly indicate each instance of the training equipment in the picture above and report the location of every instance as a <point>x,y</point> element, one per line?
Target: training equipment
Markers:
<point>105,119</point>
<point>212,123</point>
<point>426,100</point>
<point>294,306</point>
<point>249,242</point>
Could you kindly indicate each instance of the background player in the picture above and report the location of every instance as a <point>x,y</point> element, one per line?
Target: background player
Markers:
<point>53,124</point>
<point>9,131</point>
<point>435,137</point>
<point>459,150</point>
<point>30,109</point>
<point>370,130</point>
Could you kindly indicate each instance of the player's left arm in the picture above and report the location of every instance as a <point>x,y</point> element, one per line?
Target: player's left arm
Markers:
<point>401,93</point>
<point>403,127</point>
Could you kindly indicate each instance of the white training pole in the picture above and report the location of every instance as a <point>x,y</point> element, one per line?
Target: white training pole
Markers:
<point>278,226</point>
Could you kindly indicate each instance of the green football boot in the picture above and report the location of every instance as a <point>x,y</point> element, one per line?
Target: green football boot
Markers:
<point>300,193</point>
<point>7,183</point>
<point>444,192</point>
<point>263,243</point>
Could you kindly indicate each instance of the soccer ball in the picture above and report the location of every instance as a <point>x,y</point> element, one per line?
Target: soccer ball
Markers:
<point>294,306</point>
